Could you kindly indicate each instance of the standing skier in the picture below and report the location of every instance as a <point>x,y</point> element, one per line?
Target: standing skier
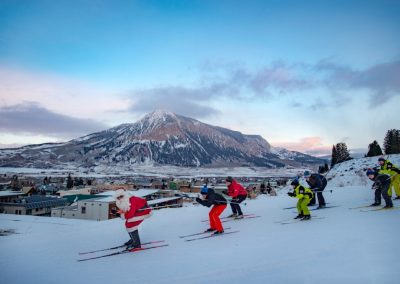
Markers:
<point>134,210</point>
<point>317,183</point>
<point>304,195</point>
<point>388,168</point>
<point>210,198</point>
<point>381,186</point>
<point>238,194</point>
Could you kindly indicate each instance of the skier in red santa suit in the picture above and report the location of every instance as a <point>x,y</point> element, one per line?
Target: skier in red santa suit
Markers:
<point>134,210</point>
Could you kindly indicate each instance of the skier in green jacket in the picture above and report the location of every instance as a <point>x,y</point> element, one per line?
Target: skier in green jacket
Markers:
<point>304,194</point>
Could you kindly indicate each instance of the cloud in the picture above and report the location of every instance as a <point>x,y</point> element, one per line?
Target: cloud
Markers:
<point>236,82</point>
<point>382,80</point>
<point>220,81</point>
<point>280,77</point>
<point>308,145</point>
<point>61,94</point>
<point>190,102</point>
<point>31,118</point>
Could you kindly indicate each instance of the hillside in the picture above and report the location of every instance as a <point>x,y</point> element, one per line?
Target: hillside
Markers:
<point>346,246</point>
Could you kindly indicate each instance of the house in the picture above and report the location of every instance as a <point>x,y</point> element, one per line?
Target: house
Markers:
<point>99,207</point>
<point>96,208</point>
<point>10,195</point>
<point>166,202</point>
<point>83,190</point>
<point>33,205</point>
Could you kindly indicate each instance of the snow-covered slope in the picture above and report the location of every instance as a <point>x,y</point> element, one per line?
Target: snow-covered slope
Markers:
<point>352,172</point>
<point>347,246</point>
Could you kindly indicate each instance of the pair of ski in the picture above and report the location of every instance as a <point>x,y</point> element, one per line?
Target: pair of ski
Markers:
<point>206,235</point>
<point>379,209</point>
<point>232,218</point>
<point>244,217</point>
<point>316,208</point>
<point>153,245</point>
<point>293,221</point>
<point>370,208</point>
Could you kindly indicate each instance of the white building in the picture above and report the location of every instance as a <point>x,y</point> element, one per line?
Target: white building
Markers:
<point>100,207</point>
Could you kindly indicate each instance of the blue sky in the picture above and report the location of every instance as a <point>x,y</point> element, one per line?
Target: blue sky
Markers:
<point>303,74</point>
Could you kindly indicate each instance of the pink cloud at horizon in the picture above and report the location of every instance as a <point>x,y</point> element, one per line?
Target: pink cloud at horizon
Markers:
<point>308,145</point>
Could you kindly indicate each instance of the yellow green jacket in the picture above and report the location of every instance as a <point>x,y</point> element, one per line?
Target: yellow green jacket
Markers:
<point>389,169</point>
<point>301,191</point>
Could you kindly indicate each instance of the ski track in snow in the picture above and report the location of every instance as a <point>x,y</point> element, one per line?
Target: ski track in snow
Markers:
<point>347,246</point>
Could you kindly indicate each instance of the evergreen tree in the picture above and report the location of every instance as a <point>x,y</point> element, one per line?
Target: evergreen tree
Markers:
<point>326,167</point>
<point>342,152</point>
<point>334,156</point>
<point>374,149</point>
<point>391,143</point>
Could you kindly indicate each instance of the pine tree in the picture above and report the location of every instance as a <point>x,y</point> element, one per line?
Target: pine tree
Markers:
<point>342,152</point>
<point>334,156</point>
<point>374,149</point>
<point>326,167</point>
<point>391,143</point>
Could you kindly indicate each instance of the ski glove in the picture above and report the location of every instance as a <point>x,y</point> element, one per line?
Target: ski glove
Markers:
<point>290,194</point>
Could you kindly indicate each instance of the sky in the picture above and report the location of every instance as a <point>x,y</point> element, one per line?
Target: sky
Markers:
<point>303,74</point>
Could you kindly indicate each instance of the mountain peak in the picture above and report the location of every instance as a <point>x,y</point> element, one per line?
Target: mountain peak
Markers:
<point>160,114</point>
<point>159,117</point>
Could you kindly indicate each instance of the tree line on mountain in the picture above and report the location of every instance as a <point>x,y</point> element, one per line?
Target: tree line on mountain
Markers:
<point>391,145</point>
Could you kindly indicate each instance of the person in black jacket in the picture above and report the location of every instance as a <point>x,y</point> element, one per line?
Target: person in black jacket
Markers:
<point>210,198</point>
<point>381,186</point>
<point>317,183</point>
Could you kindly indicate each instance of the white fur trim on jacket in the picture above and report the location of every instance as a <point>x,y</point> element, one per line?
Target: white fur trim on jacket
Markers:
<point>130,230</point>
<point>139,218</point>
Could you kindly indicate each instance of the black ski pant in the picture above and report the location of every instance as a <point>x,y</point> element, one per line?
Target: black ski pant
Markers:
<point>235,204</point>
<point>135,240</point>
<point>383,193</point>
<point>321,199</point>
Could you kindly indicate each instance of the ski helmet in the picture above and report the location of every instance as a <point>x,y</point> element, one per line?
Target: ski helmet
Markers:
<point>204,189</point>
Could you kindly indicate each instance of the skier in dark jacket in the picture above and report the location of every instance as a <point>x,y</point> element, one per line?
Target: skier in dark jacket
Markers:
<point>381,186</point>
<point>210,198</point>
<point>317,183</point>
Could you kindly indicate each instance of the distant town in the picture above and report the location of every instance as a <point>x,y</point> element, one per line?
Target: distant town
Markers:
<point>93,198</point>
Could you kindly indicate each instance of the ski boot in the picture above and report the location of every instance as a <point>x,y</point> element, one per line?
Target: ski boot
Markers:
<point>299,216</point>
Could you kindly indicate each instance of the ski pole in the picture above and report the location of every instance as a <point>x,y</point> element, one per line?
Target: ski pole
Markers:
<point>160,207</point>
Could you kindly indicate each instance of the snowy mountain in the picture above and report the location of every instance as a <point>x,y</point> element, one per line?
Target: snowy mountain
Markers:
<point>160,138</point>
<point>341,244</point>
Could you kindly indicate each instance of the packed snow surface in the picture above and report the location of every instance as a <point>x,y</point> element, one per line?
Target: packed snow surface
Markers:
<point>343,246</point>
<point>347,246</point>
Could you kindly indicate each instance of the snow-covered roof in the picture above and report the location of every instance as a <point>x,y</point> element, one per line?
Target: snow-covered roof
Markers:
<point>138,193</point>
<point>10,193</point>
<point>161,200</point>
<point>110,195</point>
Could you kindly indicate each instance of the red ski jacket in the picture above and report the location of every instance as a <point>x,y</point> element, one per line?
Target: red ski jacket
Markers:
<point>137,213</point>
<point>235,189</point>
